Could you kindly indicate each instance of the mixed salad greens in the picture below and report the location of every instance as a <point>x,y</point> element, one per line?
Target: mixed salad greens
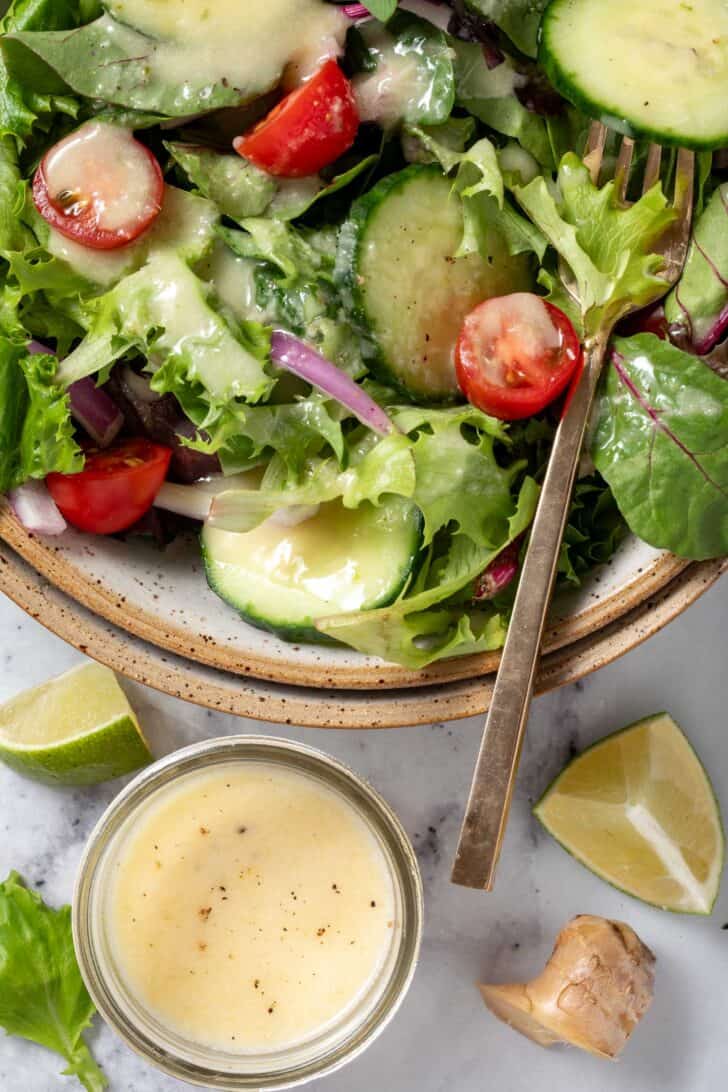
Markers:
<point>294,273</point>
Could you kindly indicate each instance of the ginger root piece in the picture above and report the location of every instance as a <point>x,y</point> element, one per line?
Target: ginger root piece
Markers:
<point>593,991</point>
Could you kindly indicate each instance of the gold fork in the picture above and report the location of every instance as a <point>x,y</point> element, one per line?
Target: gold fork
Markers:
<point>486,814</point>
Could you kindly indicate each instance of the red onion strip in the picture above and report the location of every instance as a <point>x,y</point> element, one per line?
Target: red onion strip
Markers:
<point>498,574</point>
<point>90,405</point>
<point>295,356</point>
<point>356,11</point>
<point>35,509</point>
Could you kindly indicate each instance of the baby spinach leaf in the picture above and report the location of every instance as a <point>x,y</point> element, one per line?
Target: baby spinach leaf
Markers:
<point>698,302</point>
<point>519,19</point>
<point>113,63</point>
<point>662,445</point>
<point>42,995</point>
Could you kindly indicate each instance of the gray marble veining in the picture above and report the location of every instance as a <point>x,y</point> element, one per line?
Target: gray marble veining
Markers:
<point>443,1040</point>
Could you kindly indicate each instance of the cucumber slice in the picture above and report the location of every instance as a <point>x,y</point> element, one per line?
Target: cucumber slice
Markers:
<point>407,292</point>
<point>283,578</point>
<point>650,68</point>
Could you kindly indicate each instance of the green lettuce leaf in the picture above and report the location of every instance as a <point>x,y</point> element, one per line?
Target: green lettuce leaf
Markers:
<point>458,480</point>
<point>661,446</point>
<point>238,188</point>
<point>23,106</point>
<point>519,19</point>
<point>422,627</point>
<point>108,61</point>
<point>479,181</point>
<point>36,431</point>
<point>382,9</point>
<point>608,248</point>
<point>42,995</point>
<point>162,312</point>
<point>489,95</point>
<point>375,468</point>
<point>701,295</point>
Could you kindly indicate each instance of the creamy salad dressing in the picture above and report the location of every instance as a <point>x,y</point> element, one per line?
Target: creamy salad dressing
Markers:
<point>243,43</point>
<point>250,907</point>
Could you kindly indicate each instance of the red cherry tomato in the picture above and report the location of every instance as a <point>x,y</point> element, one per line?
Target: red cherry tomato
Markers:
<point>307,130</point>
<point>114,489</point>
<point>99,186</point>
<point>515,354</point>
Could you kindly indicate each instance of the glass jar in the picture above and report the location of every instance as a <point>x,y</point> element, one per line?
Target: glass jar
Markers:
<point>179,1056</point>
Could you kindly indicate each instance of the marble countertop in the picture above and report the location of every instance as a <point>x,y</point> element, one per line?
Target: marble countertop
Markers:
<point>443,1039</point>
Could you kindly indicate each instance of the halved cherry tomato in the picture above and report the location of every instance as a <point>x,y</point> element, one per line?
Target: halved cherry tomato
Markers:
<point>114,489</point>
<point>99,186</point>
<point>307,130</point>
<point>515,354</point>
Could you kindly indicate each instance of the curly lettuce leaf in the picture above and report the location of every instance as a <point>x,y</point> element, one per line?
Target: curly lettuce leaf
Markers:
<point>162,312</point>
<point>24,105</point>
<point>458,480</point>
<point>698,301</point>
<point>422,627</point>
<point>480,184</point>
<point>42,995</point>
<point>36,431</point>
<point>661,446</point>
<point>238,188</point>
<point>375,467</point>
<point>607,248</point>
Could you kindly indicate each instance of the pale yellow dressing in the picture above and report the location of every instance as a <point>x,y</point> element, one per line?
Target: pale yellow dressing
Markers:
<point>250,907</point>
<point>245,43</point>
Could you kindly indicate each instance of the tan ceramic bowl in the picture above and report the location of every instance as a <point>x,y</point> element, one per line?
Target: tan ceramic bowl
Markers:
<point>150,616</point>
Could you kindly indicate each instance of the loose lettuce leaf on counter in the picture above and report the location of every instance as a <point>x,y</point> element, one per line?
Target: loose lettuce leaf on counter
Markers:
<point>608,248</point>
<point>36,431</point>
<point>42,995</point>
<point>421,628</point>
<point>698,301</point>
<point>112,63</point>
<point>661,446</point>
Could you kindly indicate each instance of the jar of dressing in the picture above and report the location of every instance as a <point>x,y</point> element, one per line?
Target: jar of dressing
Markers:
<point>248,914</point>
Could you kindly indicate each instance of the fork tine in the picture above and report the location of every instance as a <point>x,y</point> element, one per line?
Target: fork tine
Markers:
<point>652,167</point>
<point>621,172</point>
<point>595,149</point>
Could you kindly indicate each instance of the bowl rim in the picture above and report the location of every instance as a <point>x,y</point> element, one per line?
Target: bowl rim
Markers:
<point>204,649</point>
<point>261,700</point>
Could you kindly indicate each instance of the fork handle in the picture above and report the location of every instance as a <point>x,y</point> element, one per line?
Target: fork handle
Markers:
<point>495,772</point>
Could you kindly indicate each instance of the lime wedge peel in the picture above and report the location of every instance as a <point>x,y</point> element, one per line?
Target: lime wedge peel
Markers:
<point>75,729</point>
<point>638,809</point>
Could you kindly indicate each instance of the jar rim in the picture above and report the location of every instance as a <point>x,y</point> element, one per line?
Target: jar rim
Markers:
<point>157,1045</point>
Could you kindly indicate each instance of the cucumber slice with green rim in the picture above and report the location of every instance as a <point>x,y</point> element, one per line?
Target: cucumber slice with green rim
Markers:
<point>646,69</point>
<point>283,578</point>
<point>407,292</point>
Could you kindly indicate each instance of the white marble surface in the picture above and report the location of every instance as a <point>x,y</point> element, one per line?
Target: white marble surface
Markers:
<point>443,1039</point>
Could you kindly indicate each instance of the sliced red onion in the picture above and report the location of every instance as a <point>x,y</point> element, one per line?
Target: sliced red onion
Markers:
<point>35,509</point>
<point>497,575</point>
<point>95,411</point>
<point>437,14</point>
<point>356,11</point>
<point>139,385</point>
<point>90,405</point>
<point>291,517</point>
<point>192,501</point>
<point>295,356</point>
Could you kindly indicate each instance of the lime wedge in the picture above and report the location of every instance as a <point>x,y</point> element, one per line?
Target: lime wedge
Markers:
<point>638,809</point>
<point>76,729</point>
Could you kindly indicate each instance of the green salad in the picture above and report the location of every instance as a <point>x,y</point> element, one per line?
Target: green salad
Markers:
<point>289,275</point>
